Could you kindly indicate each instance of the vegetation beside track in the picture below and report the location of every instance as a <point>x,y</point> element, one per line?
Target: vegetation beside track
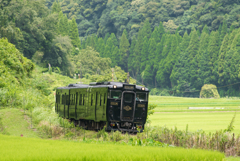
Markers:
<point>19,148</point>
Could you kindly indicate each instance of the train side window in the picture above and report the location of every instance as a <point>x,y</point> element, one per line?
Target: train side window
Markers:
<point>71,99</point>
<point>104,98</point>
<point>83,98</point>
<point>100,100</point>
<point>67,99</point>
<point>91,99</point>
<point>63,99</point>
<point>58,98</point>
<point>80,100</point>
<point>74,99</point>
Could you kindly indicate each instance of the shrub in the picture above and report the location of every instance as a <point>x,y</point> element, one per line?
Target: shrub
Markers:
<point>209,91</point>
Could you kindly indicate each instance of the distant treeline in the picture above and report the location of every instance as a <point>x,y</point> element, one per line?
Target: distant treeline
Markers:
<point>170,61</point>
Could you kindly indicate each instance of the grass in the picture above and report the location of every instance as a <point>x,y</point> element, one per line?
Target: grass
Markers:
<point>207,121</point>
<point>233,158</point>
<point>173,111</point>
<point>181,104</point>
<point>16,124</point>
<point>20,148</point>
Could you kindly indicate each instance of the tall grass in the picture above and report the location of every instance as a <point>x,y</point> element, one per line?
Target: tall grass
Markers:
<point>220,140</point>
<point>19,148</point>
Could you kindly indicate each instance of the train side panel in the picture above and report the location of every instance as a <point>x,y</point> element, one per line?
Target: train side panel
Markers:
<point>62,102</point>
<point>101,104</point>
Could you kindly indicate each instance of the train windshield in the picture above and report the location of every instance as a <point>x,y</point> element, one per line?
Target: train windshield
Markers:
<point>141,96</point>
<point>116,94</point>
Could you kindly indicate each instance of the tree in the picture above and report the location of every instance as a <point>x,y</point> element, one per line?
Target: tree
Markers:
<point>131,58</point>
<point>114,39</point>
<point>205,29</point>
<point>224,30</point>
<point>221,61</point>
<point>148,76</point>
<point>178,68</point>
<point>213,51</point>
<point>123,52</point>
<point>74,34</point>
<point>115,56</point>
<point>59,55</point>
<point>161,30</point>
<point>56,8</point>
<point>192,51</point>
<point>144,54</point>
<point>204,71</point>
<point>155,35</point>
<point>89,61</point>
<point>109,47</point>
<point>100,47</point>
<point>166,66</point>
<point>147,29</point>
<point>137,52</point>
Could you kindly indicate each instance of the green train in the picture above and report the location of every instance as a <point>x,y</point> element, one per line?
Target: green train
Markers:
<point>113,105</point>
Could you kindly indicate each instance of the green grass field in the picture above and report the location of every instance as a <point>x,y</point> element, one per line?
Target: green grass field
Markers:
<point>181,104</point>
<point>20,148</point>
<point>16,123</point>
<point>207,121</point>
<point>173,111</point>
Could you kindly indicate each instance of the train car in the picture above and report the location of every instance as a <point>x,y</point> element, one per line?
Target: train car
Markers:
<point>113,105</point>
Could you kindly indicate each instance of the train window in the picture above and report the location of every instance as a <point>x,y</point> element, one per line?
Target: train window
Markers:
<point>104,98</point>
<point>100,100</point>
<point>116,94</point>
<point>91,99</point>
<point>71,99</point>
<point>83,98</point>
<point>63,99</point>
<point>141,96</point>
<point>67,99</point>
<point>74,99</point>
<point>58,99</point>
<point>128,97</point>
<point>80,99</point>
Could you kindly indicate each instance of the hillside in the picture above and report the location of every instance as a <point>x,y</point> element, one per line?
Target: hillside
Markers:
<point>113,16</point>
<point>173,47</point>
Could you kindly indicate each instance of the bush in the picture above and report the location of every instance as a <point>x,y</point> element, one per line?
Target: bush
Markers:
<point>209,91</point>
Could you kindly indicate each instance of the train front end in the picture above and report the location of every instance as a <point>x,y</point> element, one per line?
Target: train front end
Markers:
<point>127,107</point>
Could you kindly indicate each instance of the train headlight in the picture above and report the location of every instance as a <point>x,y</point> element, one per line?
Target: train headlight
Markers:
<point>143,88</point>
<point>114,86</point>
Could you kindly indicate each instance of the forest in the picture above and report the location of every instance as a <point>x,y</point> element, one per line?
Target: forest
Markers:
<point>172,47</point>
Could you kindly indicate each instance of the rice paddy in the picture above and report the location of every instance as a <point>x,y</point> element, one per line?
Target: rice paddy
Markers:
<point>174,112</point>
<point>20,148</point>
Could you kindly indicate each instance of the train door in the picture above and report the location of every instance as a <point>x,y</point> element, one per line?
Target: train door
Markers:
<point>128,106</point>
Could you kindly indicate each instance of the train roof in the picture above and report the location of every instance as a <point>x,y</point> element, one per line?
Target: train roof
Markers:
<point>102,84</point>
